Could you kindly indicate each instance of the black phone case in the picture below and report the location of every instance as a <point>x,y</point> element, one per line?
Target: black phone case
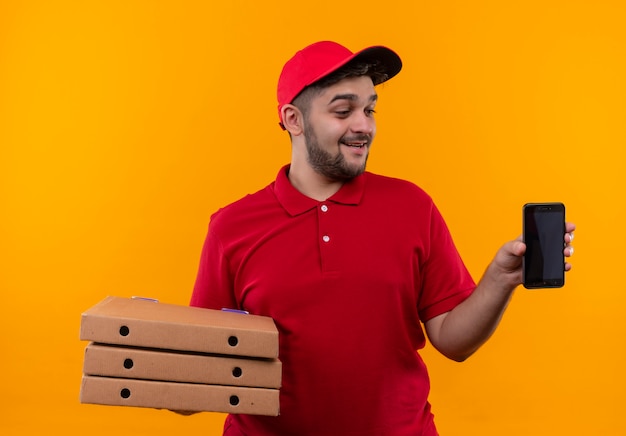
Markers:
<point>533,260</point>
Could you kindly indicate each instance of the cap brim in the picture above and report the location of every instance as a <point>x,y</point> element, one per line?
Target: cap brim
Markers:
<point>389,59</point>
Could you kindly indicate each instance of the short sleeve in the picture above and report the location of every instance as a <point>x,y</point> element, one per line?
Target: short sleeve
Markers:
<point>446,282</point>
<point>213,288</point>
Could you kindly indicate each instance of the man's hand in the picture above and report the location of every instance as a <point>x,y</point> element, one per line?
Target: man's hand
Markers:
<point>506,267</point>
<point>184,412</point>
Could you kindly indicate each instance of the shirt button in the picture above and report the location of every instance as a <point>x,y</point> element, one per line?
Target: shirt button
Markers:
<point>324,208</point>
<point>325,238</point>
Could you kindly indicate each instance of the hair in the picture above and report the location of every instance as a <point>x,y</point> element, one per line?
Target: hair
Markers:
<point>374,70</point>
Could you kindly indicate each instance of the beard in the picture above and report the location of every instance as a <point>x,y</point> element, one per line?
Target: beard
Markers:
<point>333,167</point>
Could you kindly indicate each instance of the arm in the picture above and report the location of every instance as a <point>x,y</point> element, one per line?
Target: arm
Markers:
<point>459,333</point>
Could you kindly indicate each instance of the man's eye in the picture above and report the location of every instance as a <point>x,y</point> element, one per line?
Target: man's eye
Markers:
<point>342,113</point>
<point>370,112</point>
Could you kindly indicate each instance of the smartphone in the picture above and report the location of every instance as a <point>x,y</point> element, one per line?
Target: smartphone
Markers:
<point>543,265</point>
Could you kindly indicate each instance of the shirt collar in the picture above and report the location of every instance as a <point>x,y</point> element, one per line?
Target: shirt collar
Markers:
<point>296,203</point>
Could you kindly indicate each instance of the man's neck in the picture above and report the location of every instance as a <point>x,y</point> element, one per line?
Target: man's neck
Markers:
<point>312,184</point>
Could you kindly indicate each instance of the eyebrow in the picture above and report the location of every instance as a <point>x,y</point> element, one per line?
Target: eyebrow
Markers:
<point>351,97</point>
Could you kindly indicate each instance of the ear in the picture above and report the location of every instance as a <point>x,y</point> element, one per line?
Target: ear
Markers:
<point>292,119</point>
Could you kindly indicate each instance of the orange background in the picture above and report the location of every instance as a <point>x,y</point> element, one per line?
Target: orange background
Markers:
<point>125,124</point>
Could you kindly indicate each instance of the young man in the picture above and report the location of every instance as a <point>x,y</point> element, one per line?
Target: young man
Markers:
<point>349,264</point>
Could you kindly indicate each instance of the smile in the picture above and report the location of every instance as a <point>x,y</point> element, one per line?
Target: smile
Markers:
<point>355,144</point>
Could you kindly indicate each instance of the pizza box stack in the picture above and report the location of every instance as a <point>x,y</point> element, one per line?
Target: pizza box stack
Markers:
<point>143,353</point>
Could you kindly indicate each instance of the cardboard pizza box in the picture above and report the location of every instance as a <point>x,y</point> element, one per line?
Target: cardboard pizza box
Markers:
<point>179,396</point>
<point>145,323</point>
<point>178,366</point>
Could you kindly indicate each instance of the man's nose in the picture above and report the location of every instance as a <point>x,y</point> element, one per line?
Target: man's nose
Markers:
<point>363,123</point>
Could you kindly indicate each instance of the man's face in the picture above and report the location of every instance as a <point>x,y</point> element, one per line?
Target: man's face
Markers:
<point>339,128</point>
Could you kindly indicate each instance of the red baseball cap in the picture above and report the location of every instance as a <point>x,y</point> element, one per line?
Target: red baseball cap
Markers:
<point>318,60</point>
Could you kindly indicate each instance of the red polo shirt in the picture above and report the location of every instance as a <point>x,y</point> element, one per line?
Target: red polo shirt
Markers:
<point>347,281</point>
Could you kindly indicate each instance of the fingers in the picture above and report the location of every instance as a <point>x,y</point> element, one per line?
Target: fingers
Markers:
<point>184,412</point>
<point>568,251</point>
<point>569,237</point>
<point>569,233</point>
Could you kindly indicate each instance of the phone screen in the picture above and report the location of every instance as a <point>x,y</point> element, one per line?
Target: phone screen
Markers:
<point>544,262</point>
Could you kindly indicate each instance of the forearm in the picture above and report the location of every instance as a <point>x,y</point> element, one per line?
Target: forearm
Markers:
<point>460,332</point>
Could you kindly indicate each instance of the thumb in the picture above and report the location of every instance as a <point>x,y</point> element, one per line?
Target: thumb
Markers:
<point>518,248</point>
<point>509,256</point>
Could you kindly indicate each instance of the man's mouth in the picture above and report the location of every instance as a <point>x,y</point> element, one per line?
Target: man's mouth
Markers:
<point>355,144</point>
